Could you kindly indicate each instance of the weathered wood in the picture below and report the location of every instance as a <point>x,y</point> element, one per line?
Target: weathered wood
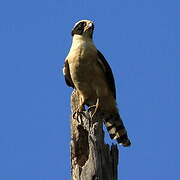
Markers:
<point>91,158</point>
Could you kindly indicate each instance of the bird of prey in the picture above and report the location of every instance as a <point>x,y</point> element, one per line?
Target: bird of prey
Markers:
<point>87,71</point>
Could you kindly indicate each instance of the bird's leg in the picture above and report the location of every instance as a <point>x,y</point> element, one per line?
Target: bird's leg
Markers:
<point>94,106</point>
<point>79,111</point>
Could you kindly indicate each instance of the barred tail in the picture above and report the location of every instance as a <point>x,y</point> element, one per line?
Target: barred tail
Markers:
<point>116,129</point>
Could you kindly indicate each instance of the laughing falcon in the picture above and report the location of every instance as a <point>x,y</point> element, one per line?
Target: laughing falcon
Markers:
<point>87,71</point>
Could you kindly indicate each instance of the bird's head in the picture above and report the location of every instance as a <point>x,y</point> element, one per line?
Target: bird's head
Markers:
<point>84,28</point>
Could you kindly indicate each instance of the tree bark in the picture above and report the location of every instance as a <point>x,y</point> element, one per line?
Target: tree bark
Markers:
<point>91,158</point>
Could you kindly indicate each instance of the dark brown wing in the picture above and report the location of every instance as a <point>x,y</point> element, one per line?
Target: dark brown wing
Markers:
<point>108,72</point>
<point>67,75</point>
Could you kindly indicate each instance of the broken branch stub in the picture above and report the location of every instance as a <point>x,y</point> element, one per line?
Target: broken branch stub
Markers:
<point>91,158</point>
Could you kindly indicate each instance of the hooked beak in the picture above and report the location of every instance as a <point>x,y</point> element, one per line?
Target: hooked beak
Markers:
<point>91,25</point>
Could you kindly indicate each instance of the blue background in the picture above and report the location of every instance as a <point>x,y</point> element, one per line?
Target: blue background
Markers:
<point>141,41</point>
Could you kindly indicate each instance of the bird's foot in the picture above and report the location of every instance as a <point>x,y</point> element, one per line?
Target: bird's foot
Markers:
<point>78,114</point>
<point>95,107</point>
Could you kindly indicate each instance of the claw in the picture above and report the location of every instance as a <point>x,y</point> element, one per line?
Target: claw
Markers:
<point>75,115</point>
<point>78,116</point>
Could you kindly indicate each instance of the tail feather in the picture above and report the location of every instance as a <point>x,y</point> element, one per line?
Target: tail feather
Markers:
<point>116,129</point>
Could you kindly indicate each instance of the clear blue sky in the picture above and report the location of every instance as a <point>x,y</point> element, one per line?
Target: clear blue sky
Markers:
<point>141,41</point>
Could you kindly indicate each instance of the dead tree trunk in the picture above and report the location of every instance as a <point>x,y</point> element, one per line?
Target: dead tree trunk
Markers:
<point>91,158</point>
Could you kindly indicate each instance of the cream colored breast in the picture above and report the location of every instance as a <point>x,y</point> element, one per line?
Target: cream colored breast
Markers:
<point>82,49</point>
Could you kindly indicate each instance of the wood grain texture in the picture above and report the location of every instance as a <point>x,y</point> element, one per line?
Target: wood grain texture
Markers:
<point>91,158</point>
